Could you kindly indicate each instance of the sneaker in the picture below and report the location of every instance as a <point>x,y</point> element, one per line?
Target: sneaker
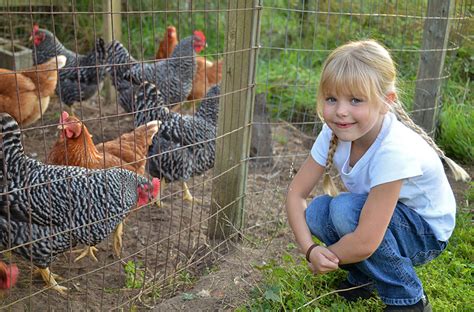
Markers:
<point>354,294</point>
<point>421,306</point>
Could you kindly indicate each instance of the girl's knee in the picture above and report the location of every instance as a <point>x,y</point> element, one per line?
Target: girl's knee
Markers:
<point>317,213</point>
<point>344,211</point>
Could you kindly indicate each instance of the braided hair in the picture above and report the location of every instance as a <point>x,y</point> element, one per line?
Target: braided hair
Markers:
<point>366,67</point>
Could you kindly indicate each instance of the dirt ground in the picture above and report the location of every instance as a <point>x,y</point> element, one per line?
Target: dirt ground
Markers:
<point>168,245</point>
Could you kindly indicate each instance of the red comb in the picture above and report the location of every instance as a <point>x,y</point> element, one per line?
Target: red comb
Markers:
<point>156,186</point>
<point>35,28</point>
<point>11,276</point>
<point>64,116</point>
<point>200,34</point>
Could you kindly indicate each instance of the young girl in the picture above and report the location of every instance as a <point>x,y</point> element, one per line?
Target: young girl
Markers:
<point>399,210</point>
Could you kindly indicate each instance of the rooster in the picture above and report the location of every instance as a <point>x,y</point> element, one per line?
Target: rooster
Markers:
<point>8,275</point>
<point>46,210</point>
<point>173,76</point>
<point>82,75</point>
<point>25,94</point>
<point>185,145</point>
<point>75,147</point>
<point>207,73</point>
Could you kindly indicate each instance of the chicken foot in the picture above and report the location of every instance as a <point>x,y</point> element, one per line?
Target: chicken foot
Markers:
<point>49,279</point>
<point>87,251</point>
<point>187,194</point>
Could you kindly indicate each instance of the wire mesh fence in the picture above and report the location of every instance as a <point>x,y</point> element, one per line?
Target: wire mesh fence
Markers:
<point>143,62</point>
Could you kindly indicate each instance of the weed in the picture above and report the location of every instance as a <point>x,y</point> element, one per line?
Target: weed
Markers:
<point>135,276</point>
<point>281,139</point>
<point>185,278</point>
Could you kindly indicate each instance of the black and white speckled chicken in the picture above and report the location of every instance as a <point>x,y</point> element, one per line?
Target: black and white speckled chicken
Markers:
<point>173,76</point>
<point>46,210</point>
<point>185,145</point>
<point>81,77</point>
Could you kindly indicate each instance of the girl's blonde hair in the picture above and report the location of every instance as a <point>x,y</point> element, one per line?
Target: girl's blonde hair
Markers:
<point>366,69</point>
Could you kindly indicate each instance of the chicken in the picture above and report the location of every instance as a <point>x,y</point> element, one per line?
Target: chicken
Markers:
<point>167,44</point>
<point>185,145</point>
<point>75,147</point>
<point>46,210</point>
<point>8,275</point>
<point>207,73</point>
<point>25,94</point>
<point>82,75</point>
<point>172,76</point>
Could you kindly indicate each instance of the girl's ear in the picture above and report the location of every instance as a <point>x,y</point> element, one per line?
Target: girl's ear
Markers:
<point>390,98</point>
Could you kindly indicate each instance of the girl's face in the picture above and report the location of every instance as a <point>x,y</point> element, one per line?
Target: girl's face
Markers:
<point>353,118</point>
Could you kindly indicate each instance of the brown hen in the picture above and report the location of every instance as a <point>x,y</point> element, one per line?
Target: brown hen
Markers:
<point>167,44</point>
<point>25,94</point>
<point>75,147</point>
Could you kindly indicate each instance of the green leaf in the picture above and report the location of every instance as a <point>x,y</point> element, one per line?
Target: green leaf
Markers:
<point>188,296</point>
<point>271,295</point>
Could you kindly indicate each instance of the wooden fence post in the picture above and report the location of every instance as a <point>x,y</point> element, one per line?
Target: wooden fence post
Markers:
<point>112,30</point>
<point>430,69</point>
<point>235,116</point>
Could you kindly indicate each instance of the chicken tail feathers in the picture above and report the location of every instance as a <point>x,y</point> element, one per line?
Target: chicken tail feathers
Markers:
<point>101,51</point>
<point>117,54</point>
<point>149,104</point>
<point>9,136</point>
<point>209,108</point>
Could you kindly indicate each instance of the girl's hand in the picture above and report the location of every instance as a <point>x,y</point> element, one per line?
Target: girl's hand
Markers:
<point>323,260</point>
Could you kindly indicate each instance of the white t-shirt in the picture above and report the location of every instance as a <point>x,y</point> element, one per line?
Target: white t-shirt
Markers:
<point>398,153</point>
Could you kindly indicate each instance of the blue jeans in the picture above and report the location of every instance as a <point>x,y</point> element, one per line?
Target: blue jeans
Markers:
<point>409,241</point>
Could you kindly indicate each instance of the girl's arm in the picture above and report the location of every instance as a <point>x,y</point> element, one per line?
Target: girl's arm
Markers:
<point>299,189</point>
<point>373,223</point>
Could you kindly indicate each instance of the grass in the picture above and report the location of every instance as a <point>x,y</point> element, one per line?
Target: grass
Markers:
<point>288,284</point>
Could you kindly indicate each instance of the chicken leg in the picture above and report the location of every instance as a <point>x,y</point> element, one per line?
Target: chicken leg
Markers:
<point>118,239</point>
<point>87,251</point>
<point>49,279</point>
<point>158,198</point>
<point>187,194</point>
